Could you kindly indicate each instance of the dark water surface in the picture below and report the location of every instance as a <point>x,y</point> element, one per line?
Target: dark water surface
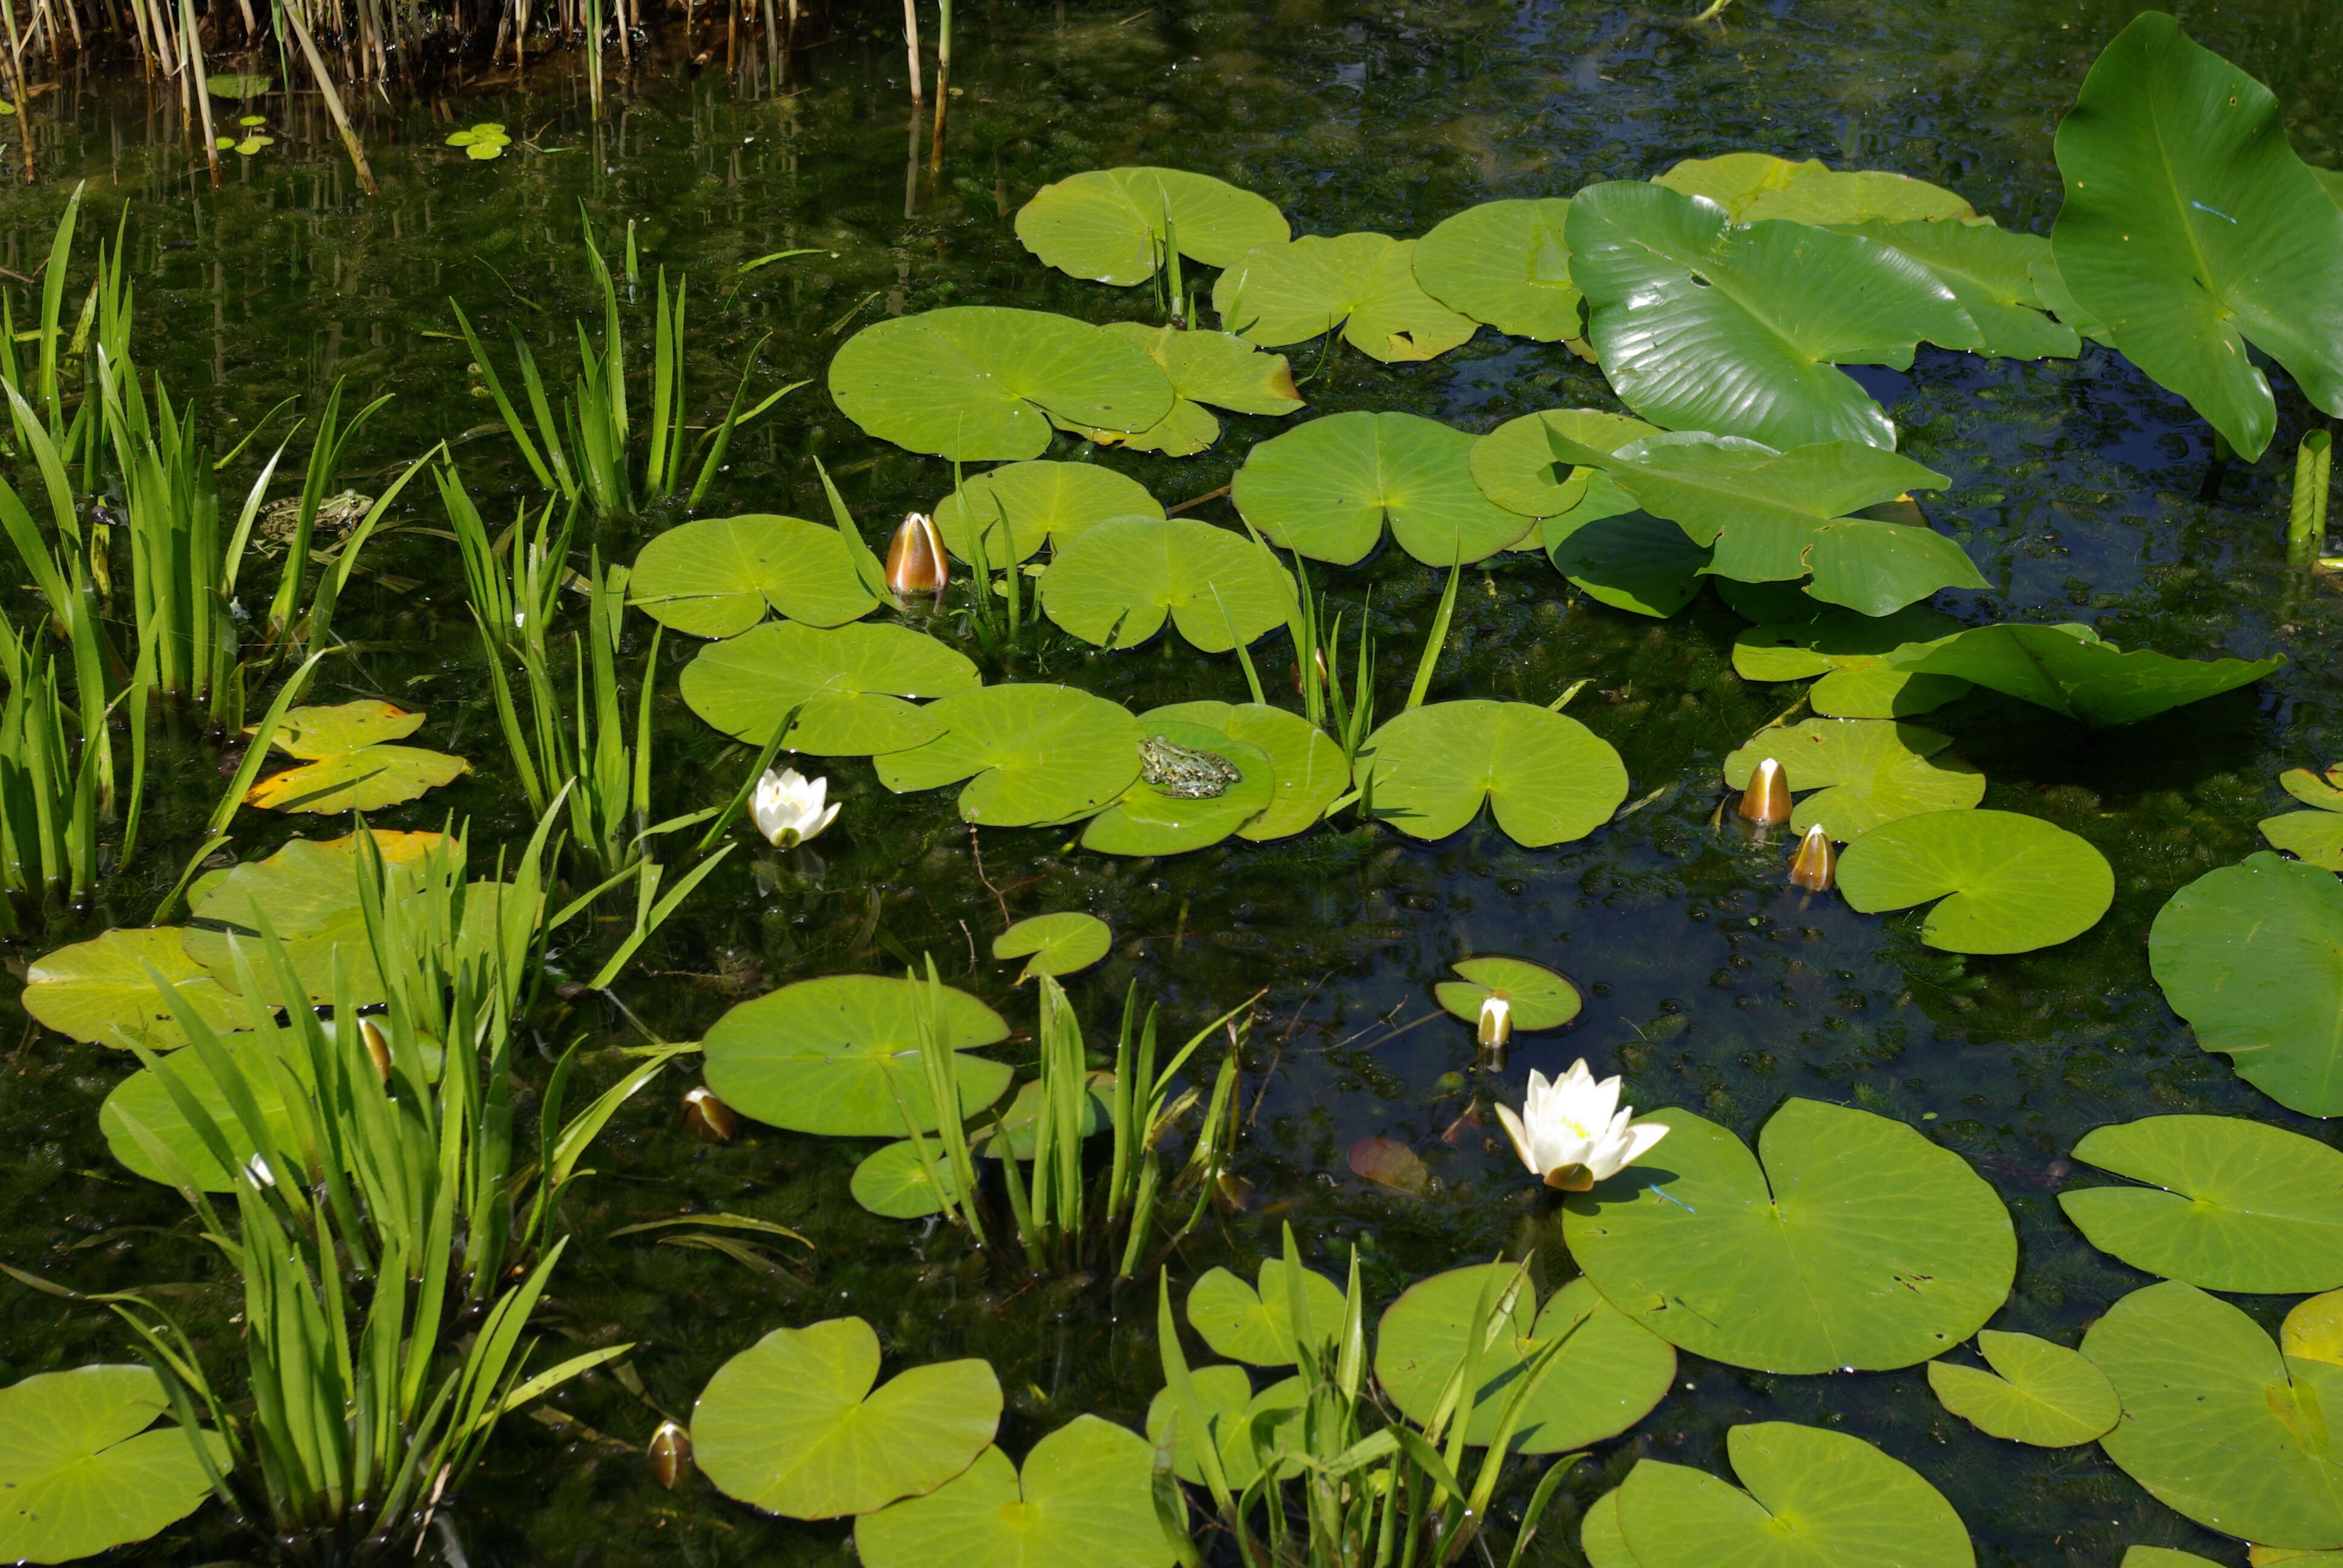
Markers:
<point>2075,485</point>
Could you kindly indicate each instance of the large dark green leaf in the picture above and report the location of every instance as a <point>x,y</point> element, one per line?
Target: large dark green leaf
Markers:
<point>2190,230</point>
<point>1989,271</point>
<point>2067,669</point>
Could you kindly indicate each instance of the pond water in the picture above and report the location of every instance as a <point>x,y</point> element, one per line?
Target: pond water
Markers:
<point>2079,487</point>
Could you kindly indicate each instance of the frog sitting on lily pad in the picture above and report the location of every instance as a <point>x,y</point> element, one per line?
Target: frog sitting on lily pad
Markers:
<point>253,139</point>
<point>484,141</point>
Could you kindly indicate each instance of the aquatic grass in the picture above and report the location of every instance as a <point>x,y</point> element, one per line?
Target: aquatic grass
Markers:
<point>48,789</point>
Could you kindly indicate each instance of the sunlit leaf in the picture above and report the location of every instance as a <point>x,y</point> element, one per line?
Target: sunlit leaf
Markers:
<point>2038,1393</point>
<point>1849,651</point>
<point>1538,998</point>
<point>1156,819</point>
<point>1111,226</point>
<point>1031,754</point>
<point>2007,884</point>
<point>1363,284</point>
<point>101,991</point>
<point>1326,488</point>
<point>84,1467</point>
<point>347,764</point>
<point>1217,369</point>
<point>1114,585</point>
<point>1546,778</point>
<point>1505,263</point>
<point>2229,1205</point>
<point>1084,1497</point>
<point>1057,944</point>
<point>851,681</point>
<point>1309,768</point>
<point>1020,505</point>
<point>1864,772</point>
<point>1754,186</point>
<point>717,576</point>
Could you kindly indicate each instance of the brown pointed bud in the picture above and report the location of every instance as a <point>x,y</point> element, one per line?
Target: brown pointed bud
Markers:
<point>670,1455</point>
<point>707,1116</point>
<point>378,1047</point>
<point>1815,866</point>
<point>916,563</point>
<point>1767,801</point>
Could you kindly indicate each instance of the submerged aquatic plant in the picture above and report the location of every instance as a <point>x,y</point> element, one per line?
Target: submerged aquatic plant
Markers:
<point>1571,1131</point>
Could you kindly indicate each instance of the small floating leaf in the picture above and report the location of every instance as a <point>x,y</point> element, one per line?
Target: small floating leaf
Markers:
<point>1540,998</point>
<point>1307,764</point>
<point>99,992</point>
<point>1019,505</point>
<point>2317,836</point>
<point>1255,1323</point>
<point>347,765</point>
<point>1864,772</point>
<point>1505,263</point>
<point>1363,284</point>
<point>1850,651</point>
<point>1061,944</point>
<point>1547,778</point>
<point>2038,1393</point>
<point>1085,1497</point>
<point>2009,883</point>
<point>891,1183</point>
<point>1233,1412</point>
<point>1115,584</point>
<point>84,1468</point>
<point>1024,1114</point>
<point>1111,225</point>
<point>2068,670</point>
<point>1031,754</point>
<point>1326,488</point>
<point>1755,186</point>
<point>716,576</point>
<point>481,142</point>
<point>852,681</point>
<point>1388,1162</point>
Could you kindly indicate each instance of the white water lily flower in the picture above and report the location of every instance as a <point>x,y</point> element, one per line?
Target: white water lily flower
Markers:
<point>788,807</point>
<point>1573,1132</point>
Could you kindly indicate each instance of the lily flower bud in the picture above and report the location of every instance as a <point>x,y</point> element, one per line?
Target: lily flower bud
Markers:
<point>1496,1021</point>
<point>707,1116</point>
<point>1815,866</point>
<point>378,1047</point>
<point>916,563</point>
<point>1767,801</point>
<point>670,1455</point>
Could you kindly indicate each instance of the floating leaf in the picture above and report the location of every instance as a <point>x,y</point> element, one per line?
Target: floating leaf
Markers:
<point>1612,1369</point>
<point>1031,754</point>
<point>1816,1499</point>
<point>1989,271</point>
<point>1388,1162</point>
<point>1024,1114</point>
<point>1703,326</point>
<point>1505,263</point>
<point>1600,1537</point>
<point>1020,505</point>
<point>2038,1393</point>
<point>1625,557</point>
<point>2313,836</point>
<point>1755,186</point>
<point>144,1098</point>
<point>1085,1497</point>
<point>238,84</point>
<point>1864,772</point>
<point>1152,819</point>
<point>852,681</point>
<point>83,1467</point>
<point>2009,883</point>
<point>482,142</point>
<point>1204,368</point>
<point>1308,765</point>
<point>794,1426</point>
<point>2167,1557</point>
<point>2229,1204</point>
<point>100,991</point>
<point>715,578</point>
<point>1061,944</point>
<point>1548,778</point>
<point>1111,226</point>
<point>1233,1412</point>
<point>2068,670</point>
<point>2218,1424</point>
<point>2190,230</point>
<point>347,765</point>
<point>1858,1245</point>
<point>1250,1323</point>
<point>832,1055</point>
<point>1849,651</point>
<point>1363,283</point>
<point>1326,488</point>
<point>894,1185</point>
<point>2313,1330</point>
<point>1540,998</point>
<point>1114,585</point>
<point>1516,465</point>
<point>979,383</point>
<point>2252,956</point>
<point>308,892</point>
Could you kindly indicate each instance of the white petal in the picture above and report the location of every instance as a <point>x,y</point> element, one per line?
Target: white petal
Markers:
<point>1522,1144</point>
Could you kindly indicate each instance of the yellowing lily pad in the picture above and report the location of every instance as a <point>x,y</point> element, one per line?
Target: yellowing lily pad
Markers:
<point>1540,998</point>
<point>1363,284</point>
<point>2038,1393</point>
<point>347,764</point>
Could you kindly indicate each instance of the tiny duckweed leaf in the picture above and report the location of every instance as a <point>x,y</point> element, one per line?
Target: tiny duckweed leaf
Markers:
<point>715,578</point>
<point>2229,1204</point>
<point>1085,1497</point>
<point>2190,230</point>
<point>1326,488</point>
<point>793,1424</point>
<point>830,1055</point>
<point>891,1182</point>
<point>2218,1423</point>
<point>1754,186</point>
<point>1864,772</point>
<point>2009,883</point>
<point>1019,505</point>
<point>1989,271</point>
<point>1388,1162</point>
<point>1061,944</point>
<point>1516,467</point>
<point>981,383</point>
<point>145,1098</point>
<point>1540,998</point>
<point>347,765</point>
<point>2251,956</point>
<point>100,991</point>
<point>1031,754</point>
<point>84,1468</point>
<point>1152,819</point>
<point>852,681</point>
<point>2038,1393</point>
<point>1612,1369</point>
<point>1254,1322</point>
<point>1547,778</point>
<point>1857,1244</point>
<point>1363,284</point>
<point>1111,225</point>
<point>1850,651</point>
<point>1217,369</point>
<point>1114,585</point>
<point>2068,670</point>
<point>1815,1498</point>
<point>1308,765</point>
<point>1505,263</point>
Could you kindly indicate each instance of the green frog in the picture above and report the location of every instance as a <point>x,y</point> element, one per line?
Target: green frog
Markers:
<point>336,516</point>
<point>1188,775</point>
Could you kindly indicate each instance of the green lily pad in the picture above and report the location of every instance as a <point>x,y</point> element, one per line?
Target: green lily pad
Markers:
<point>2068,670</point>
<point>308,892</point>
<point>981,383</point>
<point>1031,754</point>
<point>1858,1244</point>
<point>238,84</point>
<point>1540,998</point>
<point>1114,585</point>
<point>1516,466</point>
<point>1547,778</point>
<point>1756,185</point>
<point>2314,836</point>
<point>794,1426</point>
<point>1362,284</point>
<point>2038,1393</point>
<point>143,1097</point>
<point>1989,271</point>
<point>1307,764</point>
<point>1061,944</point>
<point>1025,1113</point>
<point>481,142</point>
<point>1149,821</point>
<point>1864,772</point>
<point>1704,325</point>
<point>1814,1499</point>
<point>1243,1424</point>
<point>83,1467</point>
<point>2229,1204</point>
<point>1020,505</point>
<point>347,765</point>
<point>2009,883</point>
<point>831,1055</point>
<point>2166,1557</point>
<point>1850,651</point>
<point>1600,1538</point>
<point>1112,225</point>
<point>1086,1496</point>
<point>1255,1323</point>
<point>715,578</point>
<point>892,1184</point>
<point>1326,488</point>
<point>1218,368</point>
<point>2190,230</point>
<point>1625,558</point>
<point>1610,1373</point>
<point>2218,1424</point>
<point>99,992</point>
<point>1505,263</point>
<point>851,679</point>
